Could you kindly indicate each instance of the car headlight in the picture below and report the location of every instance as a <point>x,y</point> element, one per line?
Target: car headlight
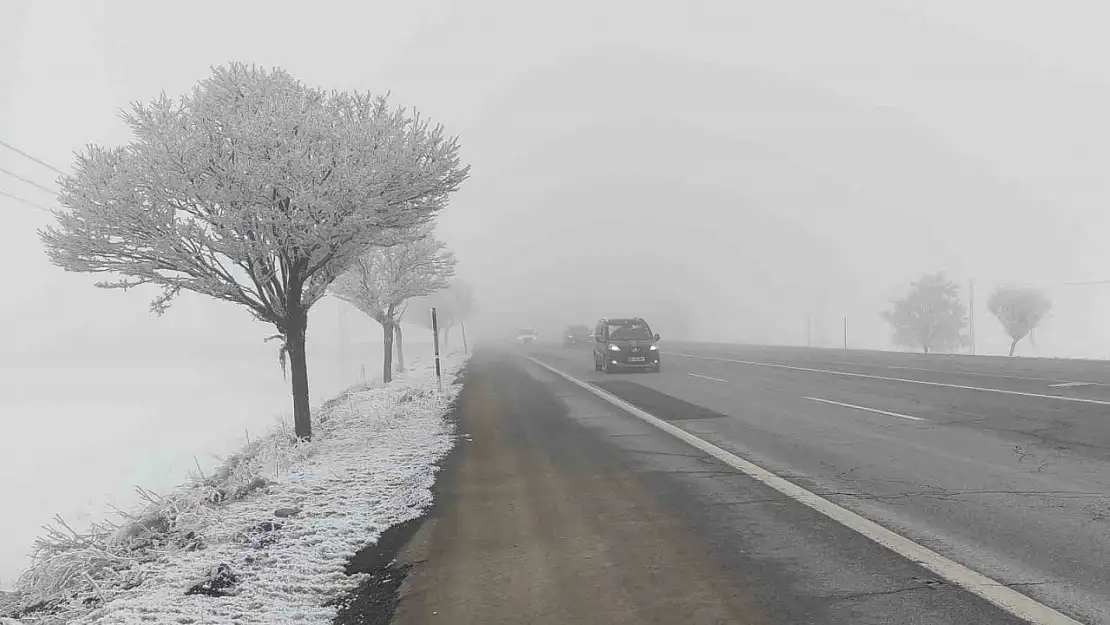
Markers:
<point>654,348</point>
<point>614,348</point>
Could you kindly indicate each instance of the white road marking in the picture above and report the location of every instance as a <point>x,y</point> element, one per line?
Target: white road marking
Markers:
<point>961,372</point>
<point>705,377</point>
<point>995,592</point>
<point>1071,384</point>
<point>865,409</point>
<point>1081,400</point>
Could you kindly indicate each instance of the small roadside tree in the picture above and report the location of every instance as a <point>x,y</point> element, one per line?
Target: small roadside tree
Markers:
<point>383,279</point>
<point>1020,309</point>
<point>254,189</point>
<point>931,316</point>
<point>462,303</point>
<point>453,307</point>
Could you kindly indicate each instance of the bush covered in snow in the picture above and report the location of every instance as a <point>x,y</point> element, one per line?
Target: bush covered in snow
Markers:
<point>265,538</point>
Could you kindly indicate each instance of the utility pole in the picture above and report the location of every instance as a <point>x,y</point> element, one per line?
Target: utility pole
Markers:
<point>971,311</point>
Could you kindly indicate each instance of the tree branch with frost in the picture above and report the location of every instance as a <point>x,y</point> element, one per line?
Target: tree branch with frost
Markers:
<point>930,316</point>
<point>382,280</point>
<point>453,305</point>
<point>1020,310</point>
<point>254,189</point>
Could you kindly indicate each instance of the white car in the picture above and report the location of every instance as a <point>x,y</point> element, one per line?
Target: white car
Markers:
<point>525,336</point>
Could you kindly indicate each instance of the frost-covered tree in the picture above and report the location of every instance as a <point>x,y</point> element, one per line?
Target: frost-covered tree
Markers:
<point>383,279</point>
<point>453,307</point>
<point>1020,309</point>
<point>931,316</point>
<point>254,189</point>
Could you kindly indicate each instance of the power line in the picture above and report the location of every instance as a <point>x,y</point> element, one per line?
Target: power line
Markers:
<point>27,202</point>
<point>26,155</point>
<point>30,182</point>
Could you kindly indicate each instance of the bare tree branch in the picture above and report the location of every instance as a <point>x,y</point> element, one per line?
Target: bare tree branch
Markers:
<point>382,280</point>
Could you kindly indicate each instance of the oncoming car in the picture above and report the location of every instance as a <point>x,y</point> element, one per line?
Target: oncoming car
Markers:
<point>526,336</point>
<point>625,343</point>
<point>575,334</point>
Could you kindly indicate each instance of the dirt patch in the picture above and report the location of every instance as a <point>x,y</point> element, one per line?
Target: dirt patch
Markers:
<point>374,601</point>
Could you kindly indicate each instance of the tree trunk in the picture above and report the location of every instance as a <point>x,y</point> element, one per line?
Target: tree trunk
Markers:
<point>926,348</point>
<point>1013,346</point>
<point>400,346</point>
<point>387,350</point>
<point>446,337</point>
<point>296,328</point>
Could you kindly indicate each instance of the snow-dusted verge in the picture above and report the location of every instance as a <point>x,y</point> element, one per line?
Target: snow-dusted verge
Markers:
<point>371,465</point>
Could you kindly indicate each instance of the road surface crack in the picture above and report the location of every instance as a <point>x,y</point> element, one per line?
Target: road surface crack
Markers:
<point>957,495</point>
<point>1020,584</point>
<point>706,472</point>
<point>928,585</point>
<point>1023,493</point>
<point>666,453</point>
<point>744,502</point>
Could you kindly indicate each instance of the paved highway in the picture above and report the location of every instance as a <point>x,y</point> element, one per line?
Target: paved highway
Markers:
<point>558,508</point>
<point>998,464</point>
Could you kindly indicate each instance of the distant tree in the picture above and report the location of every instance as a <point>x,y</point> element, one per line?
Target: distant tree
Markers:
<point>462,300</point>
<point>931,316</point>
<point>453,307</point>
<point>383,279</point>
<point>255,189</point>
<point>1020,309</point>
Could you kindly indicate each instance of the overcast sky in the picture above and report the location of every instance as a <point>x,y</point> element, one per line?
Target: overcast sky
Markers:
<point>748,162</point>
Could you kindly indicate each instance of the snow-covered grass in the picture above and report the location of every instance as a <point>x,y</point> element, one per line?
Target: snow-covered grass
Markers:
<point>370,465</point>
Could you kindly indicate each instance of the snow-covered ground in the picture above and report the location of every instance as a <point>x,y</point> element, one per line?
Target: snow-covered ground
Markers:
<point>371,465</point>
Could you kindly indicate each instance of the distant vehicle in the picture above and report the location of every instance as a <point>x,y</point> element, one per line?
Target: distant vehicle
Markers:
<point>576,334</point>
<point>526,336</point>
<point>625,343</point>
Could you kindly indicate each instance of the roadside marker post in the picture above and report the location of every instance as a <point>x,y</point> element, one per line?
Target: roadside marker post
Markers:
<point>435,342</point>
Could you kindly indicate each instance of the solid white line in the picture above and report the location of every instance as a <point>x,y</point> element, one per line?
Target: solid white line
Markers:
<point>995,592</point>
<point>705,377</point>
<point>1000,391</point>
<point>866,409</point>
<point>1071,384</point>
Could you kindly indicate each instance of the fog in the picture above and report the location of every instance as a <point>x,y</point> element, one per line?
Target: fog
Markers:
<point>725,169</point>
<point>794,168</point>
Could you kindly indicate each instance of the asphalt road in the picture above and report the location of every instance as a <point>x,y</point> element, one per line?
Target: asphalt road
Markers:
<point>559,508</point>
<point>999,464</point>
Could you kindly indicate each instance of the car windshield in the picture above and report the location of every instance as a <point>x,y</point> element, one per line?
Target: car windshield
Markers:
<point>525,331</point>
<point>632,330</point>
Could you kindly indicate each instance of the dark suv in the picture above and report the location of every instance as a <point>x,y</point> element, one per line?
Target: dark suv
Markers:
<point>625,343</point>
